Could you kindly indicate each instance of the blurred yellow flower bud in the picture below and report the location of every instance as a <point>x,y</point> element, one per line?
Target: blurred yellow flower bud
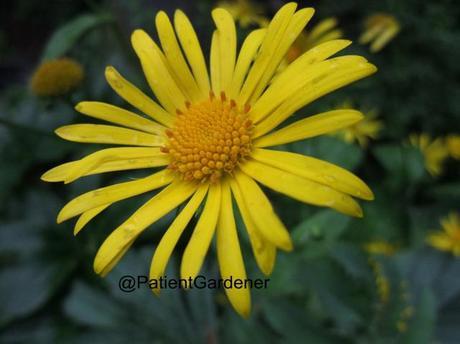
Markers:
<point>56,77</point>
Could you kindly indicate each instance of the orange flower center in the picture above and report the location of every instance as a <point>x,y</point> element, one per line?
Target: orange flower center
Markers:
<point>209,139</point>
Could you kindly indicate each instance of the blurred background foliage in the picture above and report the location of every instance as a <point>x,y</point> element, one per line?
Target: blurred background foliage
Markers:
<point>372,280</point>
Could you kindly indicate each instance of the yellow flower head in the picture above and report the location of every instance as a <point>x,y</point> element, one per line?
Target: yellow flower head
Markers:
<point>453,145</point>
<point>245,12</point>
<point>57,77</point>
<point>447,239</point>
<point>434,152</point>
<point>380,29</point>
<point>363,131</point>
<point>325,30</point>
<point>210,133</point>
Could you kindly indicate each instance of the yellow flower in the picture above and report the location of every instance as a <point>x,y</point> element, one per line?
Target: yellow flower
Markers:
<point>447,239</point>
<point>380,29</point>
<point>245,12</point>
<point>453,146</point>
<point>380,247</point>
<point>326,30</point>
<point>364,130</point>
<point>57,77</point>
<point>210,132</point>
<point>434,152</point>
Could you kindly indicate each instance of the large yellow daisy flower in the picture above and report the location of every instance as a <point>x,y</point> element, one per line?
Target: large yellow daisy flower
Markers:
<point>210,131</point>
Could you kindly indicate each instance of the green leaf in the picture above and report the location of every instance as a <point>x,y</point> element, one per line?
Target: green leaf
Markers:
<point>25,288</point>
<point>421,327</point>
<point>403,161</point>
<point>89,306</point>
<point>326,224</point>
<point>352,259</point>
<point>291,321</point>
<point>67,36</point>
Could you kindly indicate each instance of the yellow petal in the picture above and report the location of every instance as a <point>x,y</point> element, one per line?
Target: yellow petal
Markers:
<point>247,54</point>
<point>274,34</point>
<point>295,27</point>
<point>301,189</point>
<point>312,91</point>
<point>229,256</point>
<point>62,172</point>
<point>175,57</point>
<point>321,28</point>
<point>215,63</point>
<point>440,241</point>
<point>76,169</point>
<point>296,75</point>
<point>137,98</point>
<point>371,33</point>
<point>107,268</point>
<point>264,251</point>
<point>451,224</point>
<point>122,237</point>
<point>387,35</point>
<point>171,237</point>
<point>198,245</point>
<point>114,114</point>
<point>335,34</point>
<point>88,216</point>
<point>316,170</point>
<point>312,126</point>
<point>113,193</point>
<point>227,45</point>
<point>262,213</point>
<point>192,49</point>
<point>97,133</point>
<point>156,71</point>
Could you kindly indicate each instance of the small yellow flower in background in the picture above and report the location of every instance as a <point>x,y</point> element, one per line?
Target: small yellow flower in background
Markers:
<point>447,239</point>
<point>381,281</point>
<point>380,247</point>
<point>209,133</point>
<point>363,131</point>
<point>57,77</point>
<point>325,30</point>
<point>453,146</point>
<point>434,152</point>
<point>405,316</point>
<point>380,29</point>
<point>245,12</point>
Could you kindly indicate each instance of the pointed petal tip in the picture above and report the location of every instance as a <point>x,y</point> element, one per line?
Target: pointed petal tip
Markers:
<point>62,216</point>
<point>267,270</point>
<point>359,213</point>
<point>244,310</point>
<point>78,227</point>
<point>368,195</point>
<point>286,245</point>
<point>45,177</point>
<point>373,68</point>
